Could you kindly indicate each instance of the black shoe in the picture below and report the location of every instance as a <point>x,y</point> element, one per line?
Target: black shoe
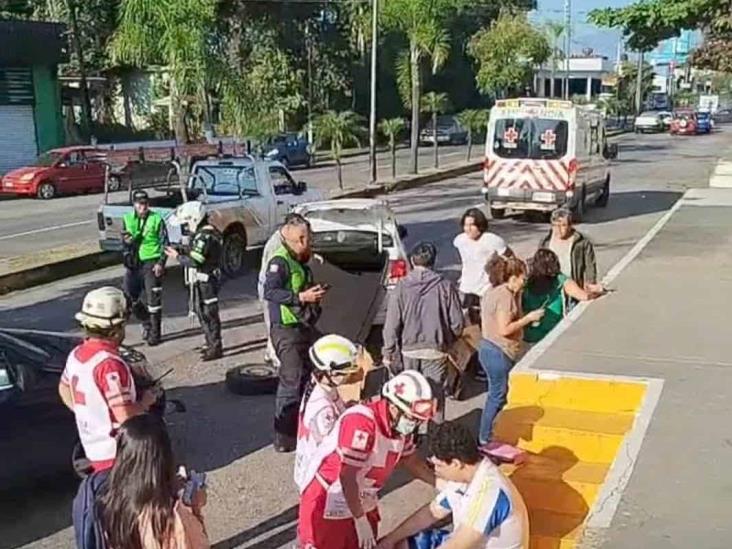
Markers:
<point>284,444</point>
<point>211,353</point>
<point>153,341</point>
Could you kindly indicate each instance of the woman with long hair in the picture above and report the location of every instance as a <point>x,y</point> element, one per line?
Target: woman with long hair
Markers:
<point>503,323</point>
<point>476,246</point>
<point>140,506</point>
<point>547,288</point>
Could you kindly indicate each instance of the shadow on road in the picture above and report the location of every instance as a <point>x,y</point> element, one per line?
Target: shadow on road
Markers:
<point>632,204</point>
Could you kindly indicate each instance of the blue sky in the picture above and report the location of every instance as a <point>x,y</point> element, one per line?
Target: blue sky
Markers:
<point>584,35</point>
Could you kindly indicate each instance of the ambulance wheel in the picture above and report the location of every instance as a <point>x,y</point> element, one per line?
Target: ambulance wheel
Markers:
<point>604,197</point>
<point>252,379</point>
<point>498,213</point>
<point>578,210</point>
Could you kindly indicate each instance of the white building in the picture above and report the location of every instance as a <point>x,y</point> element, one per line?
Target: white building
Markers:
<point>586,76</point>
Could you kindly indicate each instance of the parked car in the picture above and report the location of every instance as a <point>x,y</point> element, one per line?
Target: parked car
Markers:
<point>723,116</point>
<point>649,121</point>
<point>684,123</point>
<point>449,131</point>
<point>666,117</point>
<point>354,233</point>
<point>68,170</point>
<point>38,436</point>
<point>289,149</point>
<point>704,122</point>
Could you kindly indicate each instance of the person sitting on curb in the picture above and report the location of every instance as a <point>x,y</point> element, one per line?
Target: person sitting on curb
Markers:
<point>486,508</point>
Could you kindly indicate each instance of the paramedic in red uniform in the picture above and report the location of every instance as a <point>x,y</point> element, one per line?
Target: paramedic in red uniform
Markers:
<point>97,386</point>
<point>339,506</point>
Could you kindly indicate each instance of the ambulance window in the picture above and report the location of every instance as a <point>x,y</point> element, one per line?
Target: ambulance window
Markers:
<point>530,138</point>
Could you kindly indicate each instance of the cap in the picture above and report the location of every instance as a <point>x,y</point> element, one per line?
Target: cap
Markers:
<point>140,196</point>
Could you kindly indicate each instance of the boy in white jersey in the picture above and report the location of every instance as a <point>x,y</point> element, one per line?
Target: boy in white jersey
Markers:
<point>487,510</point>
<point>334,361</point>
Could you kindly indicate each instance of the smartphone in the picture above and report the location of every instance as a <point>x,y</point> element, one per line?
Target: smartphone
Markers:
<point>196,481</point>
<point>325,286</point>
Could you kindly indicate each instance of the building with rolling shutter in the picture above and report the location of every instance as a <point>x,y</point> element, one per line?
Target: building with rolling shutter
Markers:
<point>30,100</point>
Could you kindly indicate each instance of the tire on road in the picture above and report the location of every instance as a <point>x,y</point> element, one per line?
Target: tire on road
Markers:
<point>578,210</point>
<point>252,379</point>
<point>604,197</point>
<point>233,259</point>
<point>46,190</point>
<point>498,213</point>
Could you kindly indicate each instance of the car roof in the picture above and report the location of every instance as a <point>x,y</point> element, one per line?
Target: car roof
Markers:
<point>345,204</point>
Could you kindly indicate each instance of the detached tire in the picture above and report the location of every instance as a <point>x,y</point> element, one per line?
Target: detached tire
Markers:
<point>252,379</point>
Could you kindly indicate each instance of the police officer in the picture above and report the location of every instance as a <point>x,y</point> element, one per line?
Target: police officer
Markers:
<point>144,236</point>
<point>203,258</point>
<point>293,302</point>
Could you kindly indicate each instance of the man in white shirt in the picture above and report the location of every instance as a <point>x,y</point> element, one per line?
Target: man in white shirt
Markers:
<point>487,509</point>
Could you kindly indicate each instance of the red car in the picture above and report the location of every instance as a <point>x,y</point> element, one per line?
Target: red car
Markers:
<point>684,123</point>
<point>68,170</point>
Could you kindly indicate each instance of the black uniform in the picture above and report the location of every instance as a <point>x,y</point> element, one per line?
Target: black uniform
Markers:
<point>204,256</point>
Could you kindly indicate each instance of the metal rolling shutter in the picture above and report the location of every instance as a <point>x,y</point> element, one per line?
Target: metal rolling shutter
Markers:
<point>17,123</point>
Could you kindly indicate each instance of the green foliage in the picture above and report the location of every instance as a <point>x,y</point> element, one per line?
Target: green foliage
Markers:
<point>473,120</point>
<point>435,103</point>
<point>507,53</point>
<point>391,128</point>
<point>339,129</point>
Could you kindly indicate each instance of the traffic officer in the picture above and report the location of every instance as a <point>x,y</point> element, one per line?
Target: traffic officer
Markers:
<point>203,258</point>
<point>293,300</point>
<point>145,236</point>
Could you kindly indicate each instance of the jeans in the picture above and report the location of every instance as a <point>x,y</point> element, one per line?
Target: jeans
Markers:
<point>497,366</point>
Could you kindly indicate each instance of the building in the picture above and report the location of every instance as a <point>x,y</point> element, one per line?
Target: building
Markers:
<point>30,99</point>
<point>587,72</point>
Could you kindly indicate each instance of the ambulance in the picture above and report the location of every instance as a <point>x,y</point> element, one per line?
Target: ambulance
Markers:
<point>541,154</point>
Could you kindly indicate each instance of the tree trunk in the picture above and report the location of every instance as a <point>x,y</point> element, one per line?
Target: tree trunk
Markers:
<point>339,171</point>
<point>179,115</point>
<point>470,145</point>
<point>392,145</point>
<point>126,101</point>
<point>416,93</point>
<point>86,111</point>
<point>435,146</point>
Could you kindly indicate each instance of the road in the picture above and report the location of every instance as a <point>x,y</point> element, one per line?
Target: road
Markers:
<point>249,503</point>
<point>31,225</point>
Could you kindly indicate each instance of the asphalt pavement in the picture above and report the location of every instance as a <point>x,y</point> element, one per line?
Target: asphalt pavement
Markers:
<point>251,502</point>
<point>30,225</point>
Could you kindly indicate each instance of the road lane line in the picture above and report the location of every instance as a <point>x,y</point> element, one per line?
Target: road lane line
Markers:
<point>46,229</point>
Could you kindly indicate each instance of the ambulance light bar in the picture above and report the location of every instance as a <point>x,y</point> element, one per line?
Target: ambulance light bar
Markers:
<point>536,102</point>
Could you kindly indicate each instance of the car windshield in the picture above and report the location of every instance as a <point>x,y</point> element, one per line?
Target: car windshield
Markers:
<point>48,159</point>
<point>226,180</point>
<point>530,138</point>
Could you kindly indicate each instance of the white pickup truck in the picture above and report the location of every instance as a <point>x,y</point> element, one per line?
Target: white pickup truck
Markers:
<point>250,196</point>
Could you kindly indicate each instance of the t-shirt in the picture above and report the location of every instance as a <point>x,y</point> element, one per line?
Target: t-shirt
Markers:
<point>474,254</point>
<point>552,301</point>
<point>563,249</point>
<point>99,380</point>
<point>490,504</point>
<point>501,299</point>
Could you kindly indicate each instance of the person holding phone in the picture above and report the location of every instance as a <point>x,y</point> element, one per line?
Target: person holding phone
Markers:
<point>293,302</point>
<point>145,504</point>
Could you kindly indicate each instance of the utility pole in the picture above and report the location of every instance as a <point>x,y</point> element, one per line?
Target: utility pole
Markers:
<point>372,113</point>
<point>309,46</point>
<point>567,45</point>
<point>639,85</point>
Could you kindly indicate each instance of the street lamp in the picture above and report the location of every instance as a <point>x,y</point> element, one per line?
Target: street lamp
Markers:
<point>372,114</point>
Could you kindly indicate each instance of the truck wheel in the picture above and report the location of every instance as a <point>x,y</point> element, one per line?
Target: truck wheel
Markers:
<point>114,184</point>
<point>604,197</point>
<point>46,191</point>
<point>252,379</point>
<point>498,213</point>
<point>578,211</point>
<point>233,255</point>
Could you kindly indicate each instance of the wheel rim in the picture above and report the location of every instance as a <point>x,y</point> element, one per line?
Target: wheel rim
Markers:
<point>47,190</point>
<point>114,184</point>
<point>258,371</point>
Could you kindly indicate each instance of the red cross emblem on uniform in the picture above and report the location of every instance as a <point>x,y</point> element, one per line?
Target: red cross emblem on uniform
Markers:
<point>510,135</point>
<point>549,137</point>
<point>399,389</point>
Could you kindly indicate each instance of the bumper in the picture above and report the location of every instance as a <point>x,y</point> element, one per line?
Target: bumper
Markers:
<point>17,188</point>
<point>110,245</point>
<point>525,199</point>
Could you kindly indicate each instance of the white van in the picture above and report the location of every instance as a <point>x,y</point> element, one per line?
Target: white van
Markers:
<point>542,153</point>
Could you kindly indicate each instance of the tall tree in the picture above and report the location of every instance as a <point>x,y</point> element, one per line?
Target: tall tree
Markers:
<point>423,23</point>
<point>391,128</point>
<point>507,54</point>
<point>473,120</point>
<point>433,104</point>
<point>172,33</point>
<point>339,129</point>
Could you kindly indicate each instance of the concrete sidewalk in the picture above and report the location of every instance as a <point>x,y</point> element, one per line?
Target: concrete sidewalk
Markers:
<point>669,319</point>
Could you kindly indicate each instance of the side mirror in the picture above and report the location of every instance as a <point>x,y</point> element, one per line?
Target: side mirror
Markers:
<point>300,187</point>
<point>402,231</point>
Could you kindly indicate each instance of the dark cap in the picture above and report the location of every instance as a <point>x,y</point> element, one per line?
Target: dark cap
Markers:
<point>423,254</point>
<point>140,196</point>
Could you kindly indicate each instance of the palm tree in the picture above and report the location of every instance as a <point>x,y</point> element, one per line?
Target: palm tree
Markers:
<point>423,23</point>
<point>434,104</point>
<point>555,30</point>
<point>339,129</point>
<point>391,128</point>
<point>473,120</point>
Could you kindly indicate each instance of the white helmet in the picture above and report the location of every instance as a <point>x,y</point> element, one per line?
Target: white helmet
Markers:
<point>411,393</point>
<point>103,308</point>
<point>334,354</point>
<point>190,213</point>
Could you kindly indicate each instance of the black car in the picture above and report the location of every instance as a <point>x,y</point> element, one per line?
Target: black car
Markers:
<point>38,435</point>
<point>290,149</point>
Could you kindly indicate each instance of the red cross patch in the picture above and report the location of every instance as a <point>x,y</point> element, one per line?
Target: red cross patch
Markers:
<point>549,138</point>
<point>510,135</point>
<point>360,440</point>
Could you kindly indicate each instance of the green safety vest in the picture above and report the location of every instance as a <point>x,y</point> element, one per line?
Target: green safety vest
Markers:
<point>151,244</point>
<point>296,283</point>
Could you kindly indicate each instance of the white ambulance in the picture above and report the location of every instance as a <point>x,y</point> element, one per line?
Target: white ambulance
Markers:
<point>543,153</point>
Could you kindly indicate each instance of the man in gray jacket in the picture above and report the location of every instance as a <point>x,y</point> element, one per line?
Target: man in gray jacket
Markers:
<point>423,319</point>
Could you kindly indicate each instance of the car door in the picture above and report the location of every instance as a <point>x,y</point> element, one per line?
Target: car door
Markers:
<point>283,187</point>
<point>95,170</point>
<point>71,172</point>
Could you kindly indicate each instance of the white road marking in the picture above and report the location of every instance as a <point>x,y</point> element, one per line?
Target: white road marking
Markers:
<point>46,229</point>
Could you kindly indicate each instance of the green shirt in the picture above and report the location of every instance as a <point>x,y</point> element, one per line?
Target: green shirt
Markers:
<point>151,234</point>
<point>552,302</point>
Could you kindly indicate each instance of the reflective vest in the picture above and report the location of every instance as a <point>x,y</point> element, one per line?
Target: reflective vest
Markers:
<point>296,283</point>
<point>150,242</point>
